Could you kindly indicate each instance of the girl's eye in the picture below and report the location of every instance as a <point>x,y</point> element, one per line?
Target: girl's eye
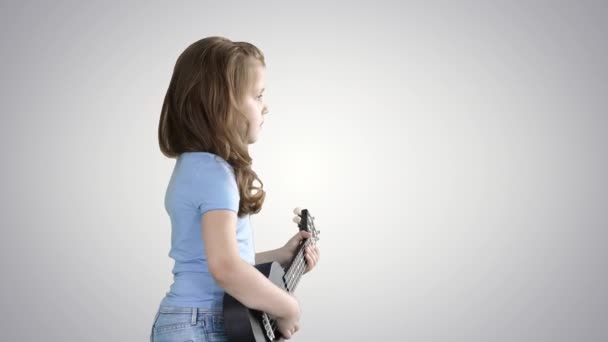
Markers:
<point>260,96</point>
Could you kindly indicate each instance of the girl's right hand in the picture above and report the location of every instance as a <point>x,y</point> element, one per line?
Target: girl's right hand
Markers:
<point>289,324</point>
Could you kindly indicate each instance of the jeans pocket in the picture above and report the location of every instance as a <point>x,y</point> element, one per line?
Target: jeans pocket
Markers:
<point>168,322</point>
<point>218,323</point>
<point>215,329</point>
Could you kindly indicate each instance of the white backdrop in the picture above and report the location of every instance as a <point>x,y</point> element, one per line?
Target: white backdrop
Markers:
<point>454,157</point>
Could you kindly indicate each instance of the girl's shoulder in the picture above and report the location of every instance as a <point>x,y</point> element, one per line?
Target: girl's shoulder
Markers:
<point>207,180</point>
<point>204,162</point>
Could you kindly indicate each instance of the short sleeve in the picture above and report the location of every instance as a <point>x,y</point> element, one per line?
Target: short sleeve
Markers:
<point>215,187</point>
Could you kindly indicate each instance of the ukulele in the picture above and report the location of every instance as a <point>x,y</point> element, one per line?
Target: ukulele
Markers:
<point>243,324</point>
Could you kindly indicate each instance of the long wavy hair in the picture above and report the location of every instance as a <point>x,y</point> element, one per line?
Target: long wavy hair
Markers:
<point>201,112</point>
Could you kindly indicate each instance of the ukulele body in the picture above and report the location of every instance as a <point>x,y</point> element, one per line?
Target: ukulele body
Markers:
<point>246,325</point>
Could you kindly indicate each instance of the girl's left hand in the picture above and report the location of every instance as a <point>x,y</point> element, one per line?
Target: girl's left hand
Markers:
<point>311,252</point>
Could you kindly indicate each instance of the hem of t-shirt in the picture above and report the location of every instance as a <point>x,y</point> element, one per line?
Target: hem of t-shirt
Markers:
<point>218,208</point>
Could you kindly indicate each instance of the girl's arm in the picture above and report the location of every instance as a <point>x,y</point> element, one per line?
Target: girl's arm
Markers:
<point>238,278</point>
<point>278,255</point>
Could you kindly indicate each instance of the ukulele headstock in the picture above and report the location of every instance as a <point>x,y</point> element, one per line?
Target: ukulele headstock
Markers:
<point>307,223</point>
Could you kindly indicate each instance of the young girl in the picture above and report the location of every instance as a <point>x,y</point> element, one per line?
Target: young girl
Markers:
<point>214,108</point>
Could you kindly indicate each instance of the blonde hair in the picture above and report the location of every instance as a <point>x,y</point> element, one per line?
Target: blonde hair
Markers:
<point>201,112</point>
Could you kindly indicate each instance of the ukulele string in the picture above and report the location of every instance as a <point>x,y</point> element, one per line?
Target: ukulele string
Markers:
<point>299,264</point>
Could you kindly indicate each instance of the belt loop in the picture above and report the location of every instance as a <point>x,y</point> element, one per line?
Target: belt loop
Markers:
<point>194,314</point>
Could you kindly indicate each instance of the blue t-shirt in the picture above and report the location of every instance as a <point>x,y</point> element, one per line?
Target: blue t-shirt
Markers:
<point>200,181</point>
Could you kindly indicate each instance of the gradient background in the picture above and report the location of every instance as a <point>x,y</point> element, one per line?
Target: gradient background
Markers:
<point>454,156</point>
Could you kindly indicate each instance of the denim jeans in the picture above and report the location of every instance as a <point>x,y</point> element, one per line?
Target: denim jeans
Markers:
<point>185,324</point>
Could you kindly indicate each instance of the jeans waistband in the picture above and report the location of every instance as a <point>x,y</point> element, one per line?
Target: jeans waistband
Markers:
<point>182,309</point>
<point>215,308</point>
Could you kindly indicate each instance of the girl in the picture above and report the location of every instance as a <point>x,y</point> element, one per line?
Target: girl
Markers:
<point>213,109</point>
